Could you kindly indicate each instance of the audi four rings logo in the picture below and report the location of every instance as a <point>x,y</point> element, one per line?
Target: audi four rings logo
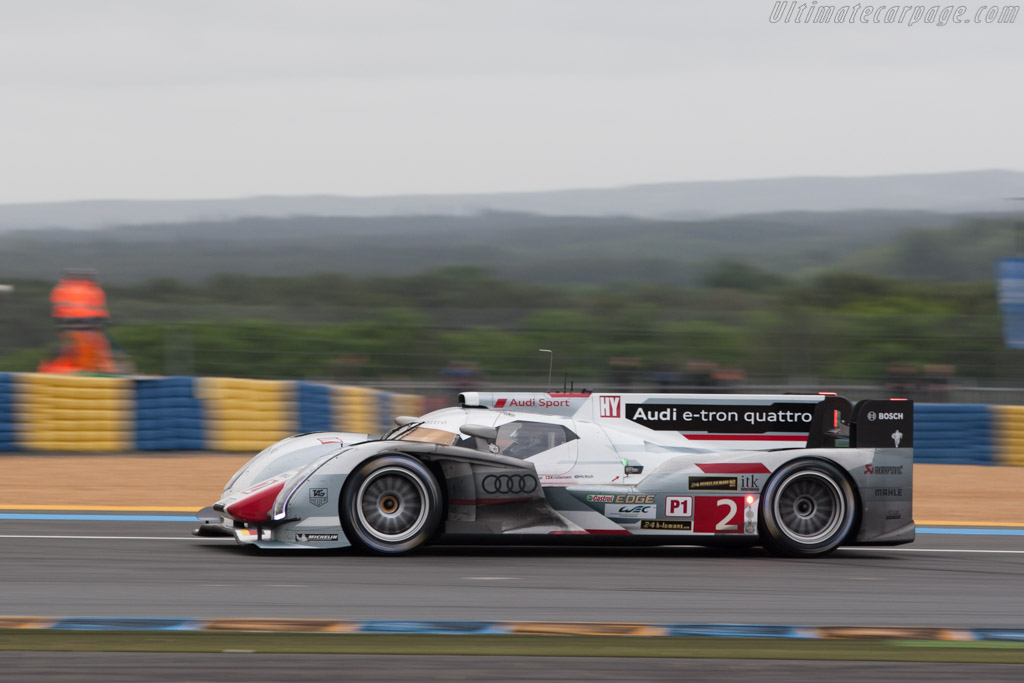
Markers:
<point>509,483</point>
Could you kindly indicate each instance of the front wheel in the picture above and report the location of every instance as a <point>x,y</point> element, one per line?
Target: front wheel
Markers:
<point>807,508</point>
<point>391,505</point>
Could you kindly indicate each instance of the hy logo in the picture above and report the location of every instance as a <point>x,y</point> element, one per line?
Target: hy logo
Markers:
<point>610,406</point>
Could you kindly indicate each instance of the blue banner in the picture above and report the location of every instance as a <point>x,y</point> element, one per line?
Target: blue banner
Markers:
<point>1010,282</point>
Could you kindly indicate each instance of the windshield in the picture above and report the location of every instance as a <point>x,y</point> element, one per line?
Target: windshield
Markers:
<point>426,435</point>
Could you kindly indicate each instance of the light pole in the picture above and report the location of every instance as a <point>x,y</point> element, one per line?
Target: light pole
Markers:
<point>551,364</point>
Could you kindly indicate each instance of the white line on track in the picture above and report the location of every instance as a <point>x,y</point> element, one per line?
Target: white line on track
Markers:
<point>931,550</point>
<point>121,538</point>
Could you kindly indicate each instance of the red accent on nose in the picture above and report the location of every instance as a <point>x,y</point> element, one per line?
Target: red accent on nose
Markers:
<point>255,508</point>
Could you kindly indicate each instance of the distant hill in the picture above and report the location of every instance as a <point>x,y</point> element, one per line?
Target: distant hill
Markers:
<point>963,192</point>
<point>550,249</point>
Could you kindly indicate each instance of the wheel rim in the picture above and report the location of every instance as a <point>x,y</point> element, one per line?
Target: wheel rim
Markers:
<point>392,505</point>
<point>810,507</point>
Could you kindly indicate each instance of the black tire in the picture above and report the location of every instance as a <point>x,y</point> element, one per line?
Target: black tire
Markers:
<point>808,508</point>
<point>391,505</point>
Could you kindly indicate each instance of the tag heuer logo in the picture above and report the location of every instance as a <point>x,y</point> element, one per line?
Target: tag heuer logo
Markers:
<point>318,497</point>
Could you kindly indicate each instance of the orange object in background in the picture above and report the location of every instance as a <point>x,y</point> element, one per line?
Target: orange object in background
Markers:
<point>78,299</point>
<point>79,306</point>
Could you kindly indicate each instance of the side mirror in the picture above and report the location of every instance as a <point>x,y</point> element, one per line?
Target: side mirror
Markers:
<point>403,420</point>
<point>489,434</point>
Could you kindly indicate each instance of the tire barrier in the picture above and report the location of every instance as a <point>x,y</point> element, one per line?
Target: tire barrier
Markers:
<point>1010,434</point>
<point>245,414</point>
<point>357,409</point>
<point>6,414</point>
<point>73,413</point>
<point>81,414</point>
<point>314,407</point>
<point>168,415</point>
<point>956,434</point>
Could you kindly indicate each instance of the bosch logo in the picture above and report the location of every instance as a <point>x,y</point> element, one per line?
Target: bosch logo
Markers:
<point>509,483</point>
<point>871,416</point>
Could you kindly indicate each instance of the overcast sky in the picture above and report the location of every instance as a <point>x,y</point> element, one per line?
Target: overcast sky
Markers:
<point>207,98</point>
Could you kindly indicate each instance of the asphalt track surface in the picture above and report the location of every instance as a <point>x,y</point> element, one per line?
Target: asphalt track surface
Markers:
<point>64,568</point>
<point>103,667</point>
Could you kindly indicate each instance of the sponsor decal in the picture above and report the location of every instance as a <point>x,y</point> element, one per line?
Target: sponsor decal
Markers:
<point>748,482</point>
<point>532,403</point>
<point>883,469</point>
<point>306,538</point>
<point>714,483</point>
<point>509,483</point>
<point>897,436</point>
<point>583,476</point>
<point>894,514</point>
<point>318,497</point>
<point>889,493</point>
<point>872,416</point>
<point>679,506</point>
<point>610,406</point>
<point>659,525</point>
<point>635,498</point>
<point>648,511</point>
<point>732,419</point>
<point>718,515</point>
<point>600,498</point>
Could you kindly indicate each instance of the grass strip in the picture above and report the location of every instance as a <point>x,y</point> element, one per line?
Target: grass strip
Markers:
<point>510,645</point>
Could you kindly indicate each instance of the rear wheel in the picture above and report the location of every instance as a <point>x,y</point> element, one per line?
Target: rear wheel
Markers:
<point>807,508</point>
<point>391,505</point>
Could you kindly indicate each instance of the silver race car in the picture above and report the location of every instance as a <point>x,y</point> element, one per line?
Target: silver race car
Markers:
<point>798,474</point>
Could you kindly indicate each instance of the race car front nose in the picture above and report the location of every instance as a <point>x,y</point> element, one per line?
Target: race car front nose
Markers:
<point>255,507</point>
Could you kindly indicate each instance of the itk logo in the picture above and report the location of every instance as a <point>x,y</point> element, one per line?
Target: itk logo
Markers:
<point>611,406</point>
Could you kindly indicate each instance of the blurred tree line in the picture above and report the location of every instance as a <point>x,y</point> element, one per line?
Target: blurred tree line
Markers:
<point>459,320</point>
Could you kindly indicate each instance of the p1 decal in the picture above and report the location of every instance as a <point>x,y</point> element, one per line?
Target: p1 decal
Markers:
<point>679,506</point>
<point>718,515</point>
<point>610,406</point>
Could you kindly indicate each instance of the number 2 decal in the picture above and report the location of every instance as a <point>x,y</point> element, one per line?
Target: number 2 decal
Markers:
<point>718,515</point>
<point>732,508</point>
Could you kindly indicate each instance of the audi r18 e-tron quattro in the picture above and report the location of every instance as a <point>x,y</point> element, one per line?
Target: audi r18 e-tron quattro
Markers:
<point>798,474</point>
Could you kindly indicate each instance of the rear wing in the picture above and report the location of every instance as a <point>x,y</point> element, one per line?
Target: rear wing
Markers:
<point>871,423</point>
